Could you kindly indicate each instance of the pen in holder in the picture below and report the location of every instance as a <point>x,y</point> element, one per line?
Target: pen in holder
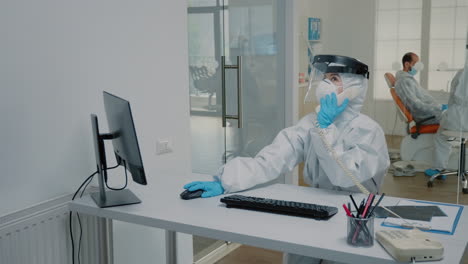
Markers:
<point>360,231</point>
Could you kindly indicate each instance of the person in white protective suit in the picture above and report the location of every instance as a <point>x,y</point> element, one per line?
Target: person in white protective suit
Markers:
<point>422,106</point>
<point>452,119</point>
<point>356,140</point>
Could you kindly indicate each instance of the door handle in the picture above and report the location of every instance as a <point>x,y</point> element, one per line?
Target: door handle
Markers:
<point>237,67</point>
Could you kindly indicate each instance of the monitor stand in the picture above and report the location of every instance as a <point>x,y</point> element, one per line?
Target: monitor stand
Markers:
<point>115,198</point>
<point>105,198</point>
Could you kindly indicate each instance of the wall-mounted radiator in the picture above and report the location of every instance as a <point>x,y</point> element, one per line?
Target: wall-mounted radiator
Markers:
<point>40,235</point>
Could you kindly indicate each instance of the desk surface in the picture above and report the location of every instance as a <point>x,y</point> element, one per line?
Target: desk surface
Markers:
<point>209,218</point>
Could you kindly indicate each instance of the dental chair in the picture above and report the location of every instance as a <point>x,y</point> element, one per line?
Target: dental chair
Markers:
<point>417,146</point>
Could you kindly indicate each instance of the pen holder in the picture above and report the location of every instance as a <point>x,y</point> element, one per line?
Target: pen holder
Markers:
<point>360,231</point>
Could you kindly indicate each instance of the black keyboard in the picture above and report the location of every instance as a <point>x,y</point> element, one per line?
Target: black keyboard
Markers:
<point>321,212</point>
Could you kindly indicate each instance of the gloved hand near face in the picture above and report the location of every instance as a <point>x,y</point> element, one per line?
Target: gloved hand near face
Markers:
<point>330,110</point>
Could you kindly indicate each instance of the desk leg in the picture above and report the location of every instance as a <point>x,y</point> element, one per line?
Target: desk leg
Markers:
<point>106,254</point>
<point>171,247</point>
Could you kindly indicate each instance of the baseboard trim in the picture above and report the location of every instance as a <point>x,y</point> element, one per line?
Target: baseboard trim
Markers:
<point>217,253</point>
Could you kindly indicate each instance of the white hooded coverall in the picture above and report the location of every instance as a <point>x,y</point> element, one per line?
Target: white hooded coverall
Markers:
<point>418,100</point>
<point>454,118</point>
<point>357,139</point>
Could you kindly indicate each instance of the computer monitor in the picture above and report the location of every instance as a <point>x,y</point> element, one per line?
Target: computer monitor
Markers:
<point>126,150</point>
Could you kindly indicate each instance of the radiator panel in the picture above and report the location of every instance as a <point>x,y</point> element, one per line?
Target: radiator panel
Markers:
<point>43,237</point>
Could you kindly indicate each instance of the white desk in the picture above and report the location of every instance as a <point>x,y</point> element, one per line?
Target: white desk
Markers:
<point>209,218</point>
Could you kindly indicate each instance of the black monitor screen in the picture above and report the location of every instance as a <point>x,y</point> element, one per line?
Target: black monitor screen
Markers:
<point>122,129</point>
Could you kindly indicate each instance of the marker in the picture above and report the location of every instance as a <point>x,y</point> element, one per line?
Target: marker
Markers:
<point>378,202</point>
<point>369,201</point>
<point>370,207</point>
<point>348,213</point>
<point>361,207</point>
<point>354,203</point>
<point>349,208</point>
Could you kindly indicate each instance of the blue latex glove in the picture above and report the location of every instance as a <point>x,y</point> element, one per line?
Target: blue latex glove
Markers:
<point>329,110</point>
<point>210,189</point>
<point>432,172</point>
<point>444,107</point>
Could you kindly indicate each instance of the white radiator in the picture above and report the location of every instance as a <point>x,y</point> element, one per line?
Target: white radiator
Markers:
<point>40,235</point>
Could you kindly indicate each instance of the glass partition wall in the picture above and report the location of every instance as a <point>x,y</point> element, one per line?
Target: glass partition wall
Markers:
<point>236,67</point>
<point>435,31</point>
<point>236,78</point>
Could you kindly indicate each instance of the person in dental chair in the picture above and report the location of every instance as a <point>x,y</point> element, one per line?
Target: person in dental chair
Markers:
<point>419,102</point>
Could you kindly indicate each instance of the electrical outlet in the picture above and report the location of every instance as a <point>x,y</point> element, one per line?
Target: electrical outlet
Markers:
<point>163,146</point>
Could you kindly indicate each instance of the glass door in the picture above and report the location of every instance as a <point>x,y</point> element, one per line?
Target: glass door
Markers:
<point>236,55</point>
<point>205,36</point>
<point>205,19</point>
<point>236,78</point>
<point>254,84</point>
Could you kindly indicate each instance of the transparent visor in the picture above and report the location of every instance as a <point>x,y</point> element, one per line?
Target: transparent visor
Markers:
<point>316,77</point>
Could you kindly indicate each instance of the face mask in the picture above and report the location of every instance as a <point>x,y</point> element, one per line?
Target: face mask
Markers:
<point>325,87</point>
<point>418,66</point>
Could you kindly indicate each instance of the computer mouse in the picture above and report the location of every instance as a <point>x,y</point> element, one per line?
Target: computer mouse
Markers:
<point>187,195</point>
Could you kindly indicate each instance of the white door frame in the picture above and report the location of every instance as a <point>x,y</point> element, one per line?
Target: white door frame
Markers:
<point>291,74</point>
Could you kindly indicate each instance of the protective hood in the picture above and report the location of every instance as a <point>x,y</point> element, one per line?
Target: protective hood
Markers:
<point>360,84</point>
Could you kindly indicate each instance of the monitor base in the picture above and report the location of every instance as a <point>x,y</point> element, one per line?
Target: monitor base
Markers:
<point>115,198</point>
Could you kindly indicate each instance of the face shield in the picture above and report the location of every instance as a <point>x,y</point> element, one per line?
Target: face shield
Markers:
<point>328,73</point>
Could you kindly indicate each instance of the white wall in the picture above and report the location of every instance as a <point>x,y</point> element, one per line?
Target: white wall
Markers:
<point>310,8</point>
<point>57,56</point>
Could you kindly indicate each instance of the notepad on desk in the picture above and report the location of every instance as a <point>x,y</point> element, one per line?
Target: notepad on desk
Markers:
<point>438,224</point>
<point>411,212</point>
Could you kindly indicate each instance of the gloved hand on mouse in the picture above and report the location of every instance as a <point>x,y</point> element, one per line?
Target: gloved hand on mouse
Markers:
<point>210,188</point>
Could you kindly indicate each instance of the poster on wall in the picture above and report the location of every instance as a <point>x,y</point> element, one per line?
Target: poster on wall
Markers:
<point>314,28</point>
<point>313,38</point>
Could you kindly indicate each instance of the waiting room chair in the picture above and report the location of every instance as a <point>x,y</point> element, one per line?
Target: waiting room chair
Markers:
<point>204,81</point>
